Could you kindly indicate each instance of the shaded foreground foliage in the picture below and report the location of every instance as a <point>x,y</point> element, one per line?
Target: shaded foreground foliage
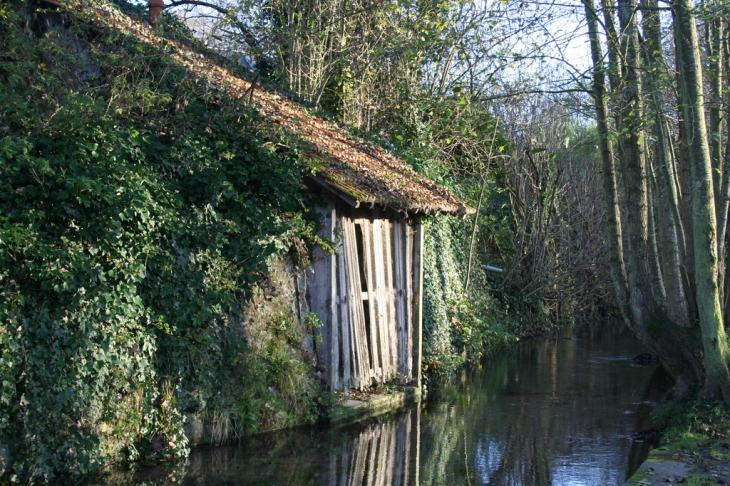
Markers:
<point>696,433</point>
<point>136,215</point>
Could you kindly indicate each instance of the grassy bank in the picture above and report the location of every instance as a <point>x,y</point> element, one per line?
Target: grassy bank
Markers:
<point>693,449</point>
<point>697,433</point>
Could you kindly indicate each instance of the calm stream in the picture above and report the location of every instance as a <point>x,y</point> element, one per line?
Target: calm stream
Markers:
<point>549,412</point>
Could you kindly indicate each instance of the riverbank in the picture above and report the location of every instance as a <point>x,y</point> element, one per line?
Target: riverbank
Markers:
<point>694,450</point>
<point>668,466</point>
<point>367,405</point>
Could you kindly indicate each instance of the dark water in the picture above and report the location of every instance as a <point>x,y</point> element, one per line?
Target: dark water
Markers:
<point>554,412</point>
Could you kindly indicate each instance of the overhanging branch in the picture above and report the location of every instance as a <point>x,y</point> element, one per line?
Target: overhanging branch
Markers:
<point>248,36</point>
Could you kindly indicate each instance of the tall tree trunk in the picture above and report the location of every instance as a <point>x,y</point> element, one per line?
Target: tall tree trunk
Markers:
<point>714,339</point>
<point>474,232</point>
<point>723,203</point>
<point>630,147</point>
<point>715,76</point>
<point>685,183</point>
<point>655,270</point>
<point>714,45</point>
<point>610,191</point>
<point>614,63</point>
<point>671,240</point>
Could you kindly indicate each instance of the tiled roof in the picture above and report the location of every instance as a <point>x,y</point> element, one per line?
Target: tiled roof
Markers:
<point>358,171</point>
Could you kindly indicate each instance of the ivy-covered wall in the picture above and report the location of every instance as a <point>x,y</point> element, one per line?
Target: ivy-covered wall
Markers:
<point>458,323</point>
<point>139,213</point>
<point>442,280</point>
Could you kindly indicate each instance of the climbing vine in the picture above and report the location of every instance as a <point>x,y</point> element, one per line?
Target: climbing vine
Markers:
<point>137,211</point>
<point>457,324</point>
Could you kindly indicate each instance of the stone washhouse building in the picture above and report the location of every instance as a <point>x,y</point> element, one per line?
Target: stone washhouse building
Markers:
<point>367,294</point>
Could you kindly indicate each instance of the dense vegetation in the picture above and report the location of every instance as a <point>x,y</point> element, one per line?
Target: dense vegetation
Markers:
<point>136,219</point>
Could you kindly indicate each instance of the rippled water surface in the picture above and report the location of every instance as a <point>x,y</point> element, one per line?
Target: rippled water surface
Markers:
<point>552,412</point>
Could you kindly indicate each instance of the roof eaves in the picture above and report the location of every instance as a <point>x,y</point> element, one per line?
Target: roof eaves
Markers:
<point>355,203</point>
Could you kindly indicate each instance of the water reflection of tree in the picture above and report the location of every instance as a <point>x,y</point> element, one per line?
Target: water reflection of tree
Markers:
<point>496,452</point>
<point>552,420</point>
<point>655,392</point>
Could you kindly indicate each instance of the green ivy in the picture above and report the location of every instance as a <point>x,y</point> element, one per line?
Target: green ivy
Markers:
<point>458,325</point>
<point>445,337</point>
<point>137,211</point>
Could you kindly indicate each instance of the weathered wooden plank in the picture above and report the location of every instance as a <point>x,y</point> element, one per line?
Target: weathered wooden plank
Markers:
<point>342,336</point>
<point>390,296</point>
<point>365,360</point>
<point>378,321</point>
<point>379,264</point>
<point>332,326</point>
<point>349,328</point>
<point>372,298</point>
<point>359,349</point>
<point>343,342</point>
<point>408,351</point>
<point>397,286</point>
<point>401,289</point>
<point>418,242</point>
<point>376,317</point>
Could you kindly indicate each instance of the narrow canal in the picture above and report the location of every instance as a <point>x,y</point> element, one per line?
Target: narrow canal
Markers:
<point>550,412</point>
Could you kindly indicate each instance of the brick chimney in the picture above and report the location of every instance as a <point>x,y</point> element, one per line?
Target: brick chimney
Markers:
<point>156,7</point>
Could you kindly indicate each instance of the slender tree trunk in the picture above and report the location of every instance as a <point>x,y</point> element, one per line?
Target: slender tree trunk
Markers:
<point>474,232</point>
<point>610,191</point>
<point>715,76</point>
<point>685,178</point>
<point>714,339</point>
<point>655,270</point>
<point>671,247</point>
<point>643,298</point>
<point>723,202</point>
<point>614,63</point>
<point>479,206</point>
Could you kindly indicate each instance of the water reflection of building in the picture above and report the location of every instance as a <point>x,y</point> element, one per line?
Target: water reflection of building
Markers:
<point>384,454</point>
